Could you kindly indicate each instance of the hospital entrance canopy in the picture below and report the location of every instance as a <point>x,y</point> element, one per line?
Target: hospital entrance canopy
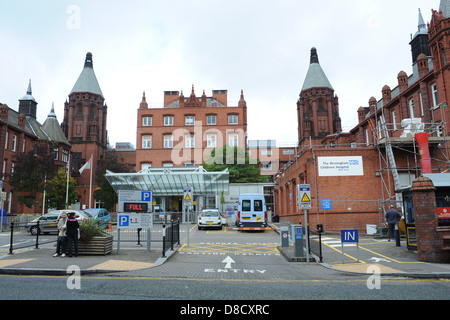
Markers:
<point>171,181</point>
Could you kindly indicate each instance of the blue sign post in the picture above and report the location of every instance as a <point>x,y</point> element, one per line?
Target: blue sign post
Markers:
<point>350,236</point>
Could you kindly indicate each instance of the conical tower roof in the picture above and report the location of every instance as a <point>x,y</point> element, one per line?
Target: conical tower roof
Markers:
<point>445,8</point>
<point>87,81</point>
<point>53,129</point>
<point>315,78</point>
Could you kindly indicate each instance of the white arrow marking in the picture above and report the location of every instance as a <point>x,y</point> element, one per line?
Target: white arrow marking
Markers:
<point>228,262</point>
<point>379,259</point>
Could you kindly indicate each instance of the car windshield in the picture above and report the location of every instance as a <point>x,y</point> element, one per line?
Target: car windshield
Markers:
<point>210,214</point>
<point>92,212</point>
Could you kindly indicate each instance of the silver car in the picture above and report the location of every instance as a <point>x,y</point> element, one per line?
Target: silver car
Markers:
<point>209,218</point>
<point>48,223</point>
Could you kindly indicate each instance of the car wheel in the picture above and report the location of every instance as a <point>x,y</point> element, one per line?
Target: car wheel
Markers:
<point>34,230</point>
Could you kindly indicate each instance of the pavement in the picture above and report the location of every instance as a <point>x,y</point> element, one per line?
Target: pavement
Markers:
<point>369,256</point>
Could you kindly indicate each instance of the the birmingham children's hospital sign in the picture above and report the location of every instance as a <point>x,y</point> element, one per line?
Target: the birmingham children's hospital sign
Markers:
<point>340,166</point>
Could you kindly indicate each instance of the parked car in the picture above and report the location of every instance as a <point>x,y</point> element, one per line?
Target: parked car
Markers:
<point>209,218</point>
<point>48,223</point>
<point>102,215</point>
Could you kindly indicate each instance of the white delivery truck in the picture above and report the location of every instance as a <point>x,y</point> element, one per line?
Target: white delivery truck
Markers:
<point>252,212</point>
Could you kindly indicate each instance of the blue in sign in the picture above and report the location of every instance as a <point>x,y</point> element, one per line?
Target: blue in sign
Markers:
<point>327,204</point>
<point>349,236</point>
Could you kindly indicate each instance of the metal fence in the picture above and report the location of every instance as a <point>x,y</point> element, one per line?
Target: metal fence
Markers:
<point>20,236</point>
<point>315,241</point>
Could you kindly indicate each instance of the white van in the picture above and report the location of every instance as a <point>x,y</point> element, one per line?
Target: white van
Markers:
<point>252,211</point>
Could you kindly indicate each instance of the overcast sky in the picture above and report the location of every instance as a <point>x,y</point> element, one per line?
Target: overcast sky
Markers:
<point>260,46</point>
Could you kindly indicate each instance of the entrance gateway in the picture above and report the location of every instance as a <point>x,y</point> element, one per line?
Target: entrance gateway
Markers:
<point>168,186</point>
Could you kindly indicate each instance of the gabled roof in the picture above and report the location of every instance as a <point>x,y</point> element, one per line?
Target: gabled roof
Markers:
<point>315,78</point>
<point>87,81</point>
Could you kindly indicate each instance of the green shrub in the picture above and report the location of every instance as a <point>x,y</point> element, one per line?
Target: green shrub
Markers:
<point>90,229</point>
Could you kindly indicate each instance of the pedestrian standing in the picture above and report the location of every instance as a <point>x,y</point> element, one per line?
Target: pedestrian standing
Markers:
<point>392,217</point>
<point>62,239</point>
<point>72,233</point>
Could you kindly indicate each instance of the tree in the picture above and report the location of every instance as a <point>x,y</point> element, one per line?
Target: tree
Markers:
<point>237,161</point>
<point>57,189</point>
<point>30,170</point>
<point>105,192</point>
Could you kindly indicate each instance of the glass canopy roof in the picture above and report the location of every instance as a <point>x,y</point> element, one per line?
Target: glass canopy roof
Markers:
<point>171,181</point>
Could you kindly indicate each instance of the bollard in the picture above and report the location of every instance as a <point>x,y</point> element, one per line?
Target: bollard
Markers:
<point>284,235</point>
<point>11,239</point>
<point>171,236</point>
<point>164,241</point>
<point>37,234</point>
<point>139,237</point>
<point>397,236</point>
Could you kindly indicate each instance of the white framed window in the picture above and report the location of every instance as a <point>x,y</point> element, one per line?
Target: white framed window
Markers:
<point>367,137</point>
<point>168,120</point>
<point>14,142</point>
<point>233,119</point>
<point>167,164</point>
<point>147,142</point>
<point>56,153</point>
<point>13,164</point>
<point>211,120</point>
<point>394,120</point>
<point>421,105</point>
<point>211,140</point>
<point>189,140</point>
<point>146,166</point>
<point>23,145</point>
<point>434,94</point>
<point>65,156</point>
<point>168,141</point>
<point>6,140</point>
<point>189,120</point>
<point>411,108</point>
<point>233,140</point>
<point>147,121</point>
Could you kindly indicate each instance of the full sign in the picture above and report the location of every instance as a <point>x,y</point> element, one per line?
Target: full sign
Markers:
<point>135,201</point>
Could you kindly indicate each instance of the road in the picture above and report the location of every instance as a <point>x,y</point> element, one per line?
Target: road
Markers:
<point>226,266</point>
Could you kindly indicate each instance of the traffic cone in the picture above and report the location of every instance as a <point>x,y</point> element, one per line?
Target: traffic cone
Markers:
<point>110,227</point>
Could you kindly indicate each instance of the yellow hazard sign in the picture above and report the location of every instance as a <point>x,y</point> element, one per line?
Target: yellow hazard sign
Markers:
<point>305,198</point>
<point>187,198</point>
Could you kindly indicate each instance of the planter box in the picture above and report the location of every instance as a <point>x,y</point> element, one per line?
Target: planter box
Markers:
<point>95,246</point>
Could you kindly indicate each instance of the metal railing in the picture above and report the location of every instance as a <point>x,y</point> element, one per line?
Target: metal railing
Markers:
<point>171,235</point>
<point>315,241</point>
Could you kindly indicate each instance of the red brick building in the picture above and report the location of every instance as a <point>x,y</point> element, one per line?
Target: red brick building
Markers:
<point>186,129</point>
<point>20,132</point>
<point>365,169</point>
<point>84,125</point>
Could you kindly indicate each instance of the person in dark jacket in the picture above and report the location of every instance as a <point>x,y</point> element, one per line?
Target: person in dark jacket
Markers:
<point>392,218</point>
<point>72,233</point>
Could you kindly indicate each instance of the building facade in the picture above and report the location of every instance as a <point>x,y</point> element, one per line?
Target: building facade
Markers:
<point>186,129</point>
<point>84,125</point>
<point>364,170</point>
<point>20,132</point>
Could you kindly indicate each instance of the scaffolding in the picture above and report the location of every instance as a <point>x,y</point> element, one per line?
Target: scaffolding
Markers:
<point>386,142</point>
